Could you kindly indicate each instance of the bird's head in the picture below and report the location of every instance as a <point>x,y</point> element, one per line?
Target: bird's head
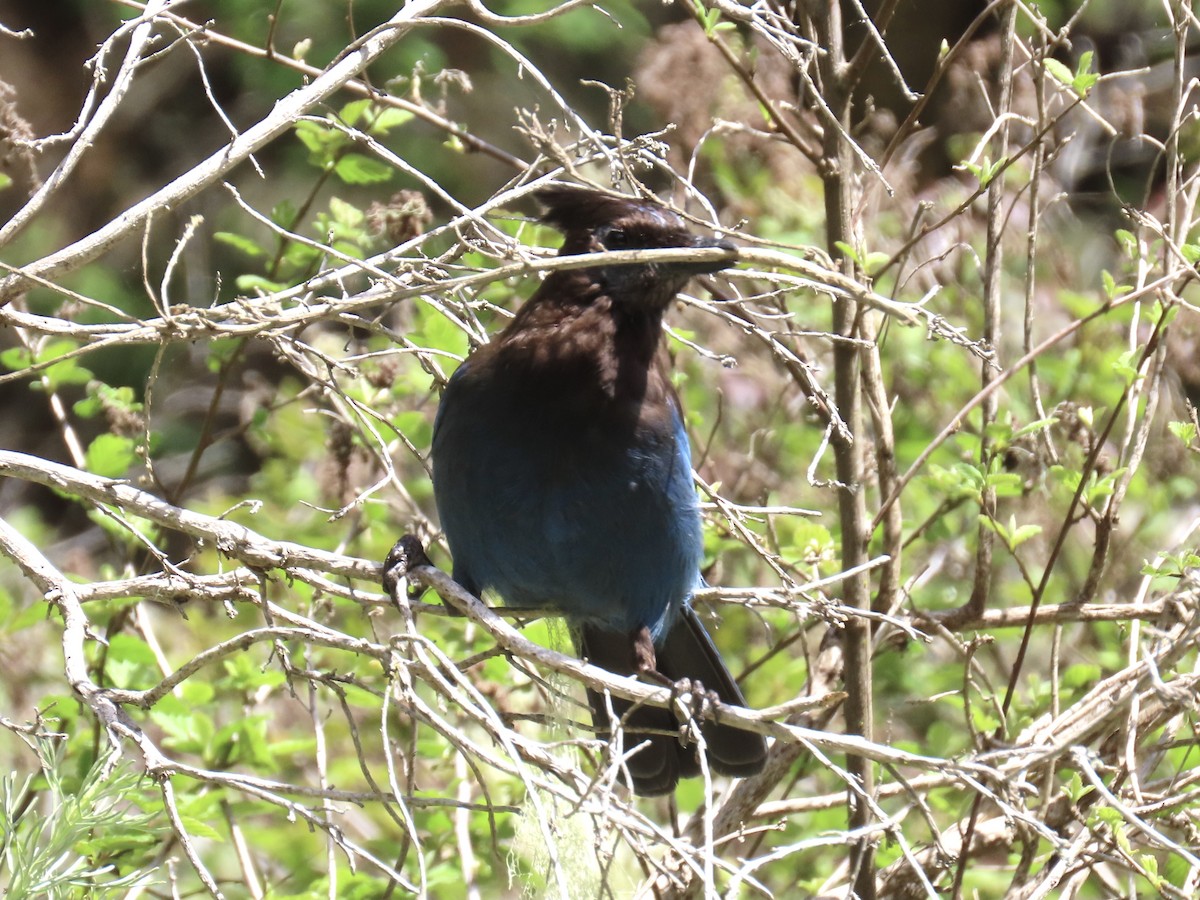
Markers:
<point>593,222</point>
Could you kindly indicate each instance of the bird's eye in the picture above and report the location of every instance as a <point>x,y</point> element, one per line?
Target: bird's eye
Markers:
<point>616,239</point>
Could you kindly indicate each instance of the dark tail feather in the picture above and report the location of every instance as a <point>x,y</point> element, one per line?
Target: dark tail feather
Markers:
<point>688,652</point>
<point>657,768</point>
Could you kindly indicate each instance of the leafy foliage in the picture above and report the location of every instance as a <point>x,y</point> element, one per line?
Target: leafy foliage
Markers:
<point>254,354</point>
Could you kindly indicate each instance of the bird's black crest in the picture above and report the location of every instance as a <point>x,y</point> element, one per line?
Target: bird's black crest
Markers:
<point>572,208</point>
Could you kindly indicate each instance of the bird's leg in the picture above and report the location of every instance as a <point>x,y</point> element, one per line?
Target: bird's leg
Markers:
<point>697,702</point>
<point>690,695</point>
<point>407,554</point>
<point>645,661</point>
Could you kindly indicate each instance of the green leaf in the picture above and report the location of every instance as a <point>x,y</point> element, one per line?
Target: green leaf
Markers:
<point>103,397</point>
<point>312,136</point>
<point>992,525</point>
<point>1085,79</point>
<point>16,358</point>
<point>283,214</point>
<point>1034,427</point>
<point>88,407</point>
<point>1059,72</point>
<point>1023,533</point>
<point>353,111</point>
<point>240,242</point>
<point>130,662</point>
<point>1110,284</point>
<point>1075,787</point>
<point>708,18</point>
<point>201,829</point>
<point>111,455</point>
<point>1081,80</point>
<point>32,614</point>
<point>185,726</point>
<point>196,693</point>
<point>1127,240</point>
<point>243,740</point>
<point>1177,870</point>
<point>1100,488</point>
<point>299,257</point>
<point>1081,675</point>
<point>1150,865</point>
<point>244,674</point>
<point>354,168</point>
<point>1069,478</point>
<point>1124,365</point>
<point>1185,431</point>
<point>1112,290</point>
<point>252,284</point>
<point>875,261</point>
<point>388,118</point>
<point>959,481</point>
<point>357,696</point>
<point>850,253</point>
<point>984,721</point>
<point>346,213</point>
<point>67,372</point>
<point>1012,534</point>
<point>324,142</point>
<point>1107,816</point>
<point>1173,565</point>
<point>1160,312</point>
<point>1005,484</point>
<point>986,171</point>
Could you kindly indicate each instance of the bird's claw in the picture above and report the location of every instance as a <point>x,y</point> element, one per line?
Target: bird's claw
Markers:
<point>694,700</point>
<point>406,554</point>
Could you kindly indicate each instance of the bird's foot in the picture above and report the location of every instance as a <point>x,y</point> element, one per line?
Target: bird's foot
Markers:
<point>688,695</point>
<point>406,554</point>
<point>693,701</point>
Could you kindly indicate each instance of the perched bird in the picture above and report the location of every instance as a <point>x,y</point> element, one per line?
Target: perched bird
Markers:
<point>562,475</point>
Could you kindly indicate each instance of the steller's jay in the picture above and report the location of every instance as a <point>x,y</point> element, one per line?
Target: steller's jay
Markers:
<point>562,475</point>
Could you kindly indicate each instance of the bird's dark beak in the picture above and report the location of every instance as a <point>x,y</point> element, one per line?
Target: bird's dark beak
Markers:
<point>707,268</point>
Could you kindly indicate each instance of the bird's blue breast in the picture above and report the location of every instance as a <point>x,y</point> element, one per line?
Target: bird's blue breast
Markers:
<point>555,503</point>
